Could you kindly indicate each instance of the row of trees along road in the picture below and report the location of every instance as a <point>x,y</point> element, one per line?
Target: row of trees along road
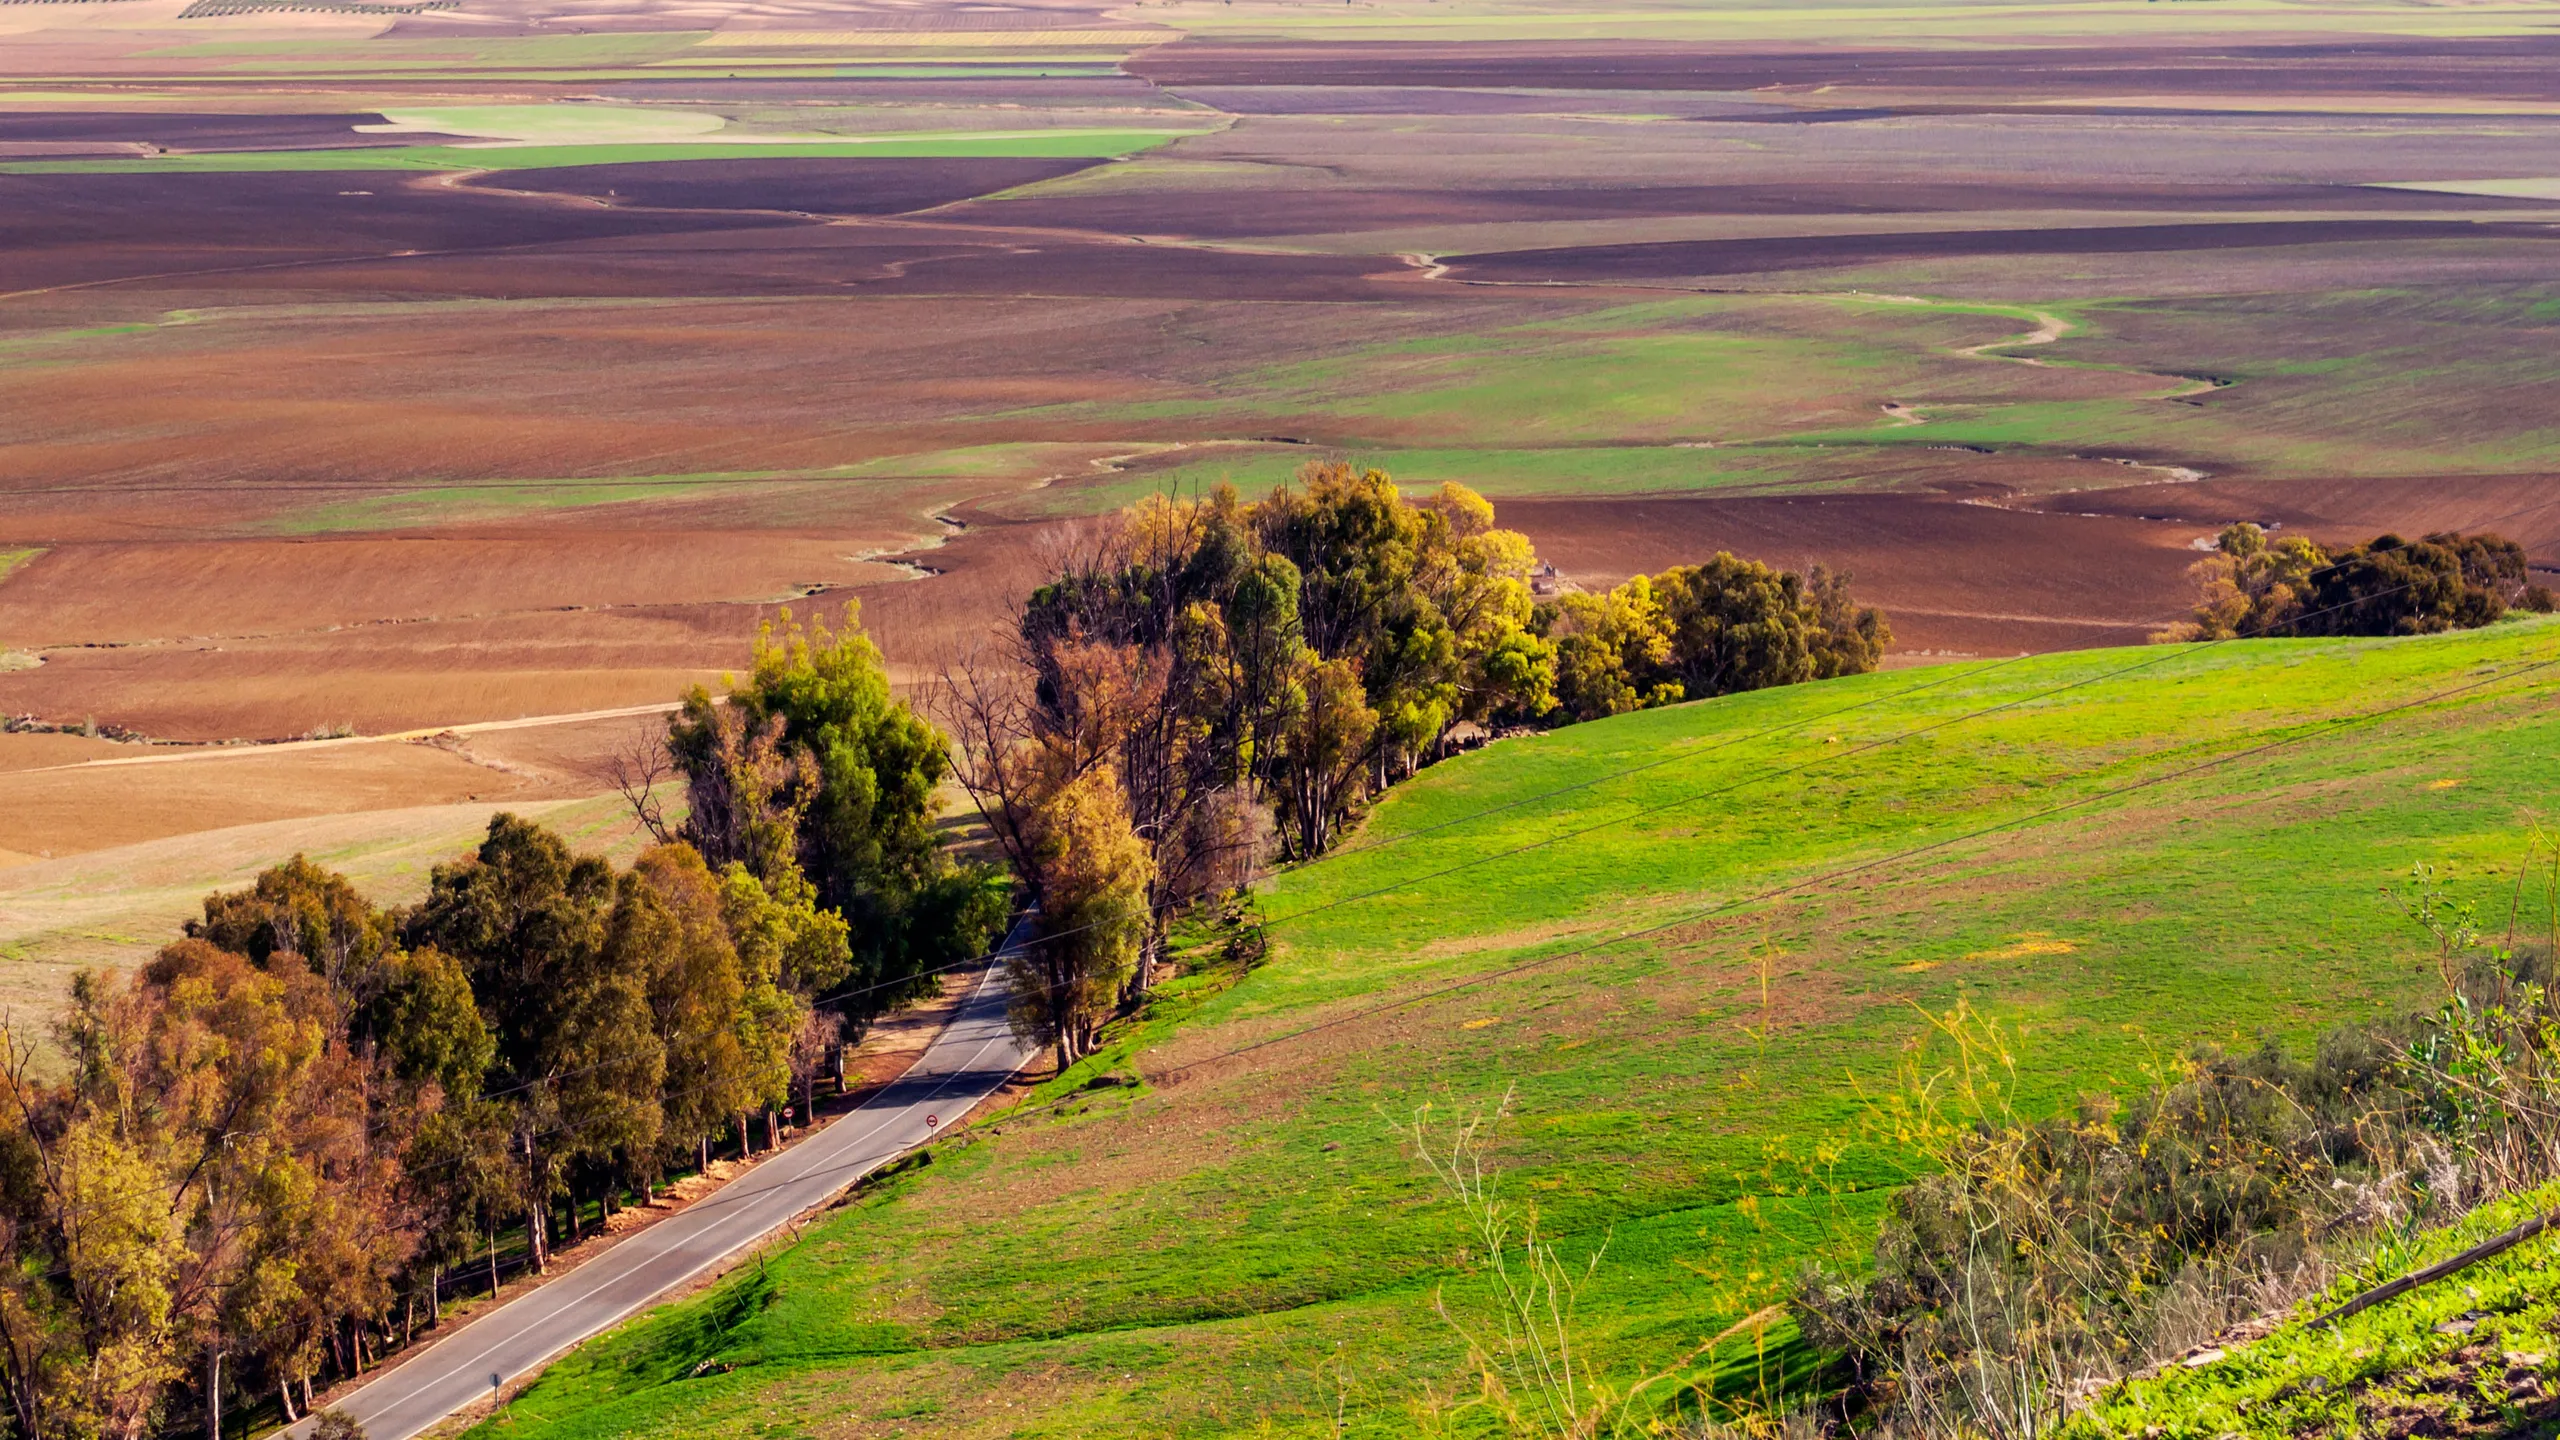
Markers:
<point>1204,680</point>
<point>265,1157</point>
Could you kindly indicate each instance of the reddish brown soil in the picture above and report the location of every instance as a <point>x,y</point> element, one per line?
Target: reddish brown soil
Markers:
<point>380,680</point>
<point>2500,68</point>
<point>902,258</point>
<point>1669,259</point>
<point>115,594</point>
<point>72,229</point>
<point>1449,100</point>
<point>52,812</point>
<point>2524,508</point>
<point>316,407</point>
<point>269,639</point>
<point>812,186</point>
<point>1951,576</point>
<point>1219,214</point>
<point>191,134</point>
<point>1032,89</point>
<point>43,752</point>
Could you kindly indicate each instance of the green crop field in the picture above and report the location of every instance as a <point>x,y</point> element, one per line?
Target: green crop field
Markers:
<point>1788,390</point>
<point>2113,854</point>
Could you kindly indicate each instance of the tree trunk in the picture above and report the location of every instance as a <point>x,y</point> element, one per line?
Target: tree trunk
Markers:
<point>284,1397</point>
<point>772,1130</point>
<point>306,1393</point>
<point>746,1139</point>
<point>213,1392</point>
<point>493,1264</point>
<point>706,1155</point>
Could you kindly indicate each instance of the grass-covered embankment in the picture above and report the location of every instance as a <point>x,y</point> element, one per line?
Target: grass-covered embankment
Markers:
<point>1241,1240</point>
<point>2474,1354</point>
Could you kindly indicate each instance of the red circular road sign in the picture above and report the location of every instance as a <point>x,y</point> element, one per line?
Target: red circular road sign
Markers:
<point>930,1121</point>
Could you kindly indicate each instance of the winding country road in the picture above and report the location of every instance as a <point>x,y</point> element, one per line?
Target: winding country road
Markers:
<point>975,1054</point>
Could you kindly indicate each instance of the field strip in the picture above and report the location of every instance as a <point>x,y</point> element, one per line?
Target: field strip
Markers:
<point>926,39</point>
<point>178,754</point>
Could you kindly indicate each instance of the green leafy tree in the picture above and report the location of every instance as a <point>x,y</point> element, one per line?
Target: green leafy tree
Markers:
<point>2248,586</point>
<point>301,909</point>
<point>576,1046</point>
<point>1612,650</point>
<point>668,926</point>
<point>204,1181</point>
<point>2391,586</point>
<point>2251,586</point>
<point>1324,763</point>
<point>1093,920</point>
<point>816,737</point>
<point>1710,629</point>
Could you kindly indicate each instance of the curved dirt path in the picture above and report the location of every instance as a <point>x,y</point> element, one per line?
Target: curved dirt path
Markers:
<point>173,754</point>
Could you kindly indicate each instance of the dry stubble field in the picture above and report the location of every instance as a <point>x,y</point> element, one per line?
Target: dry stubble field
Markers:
<point>307,427</point>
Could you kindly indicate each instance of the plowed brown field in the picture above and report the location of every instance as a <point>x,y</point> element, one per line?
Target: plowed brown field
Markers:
<point>1953,578</point>
<point>2502,68</point>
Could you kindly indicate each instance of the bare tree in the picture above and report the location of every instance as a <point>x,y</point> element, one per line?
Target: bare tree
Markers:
<point>636,768</point>
<point>984,705</point>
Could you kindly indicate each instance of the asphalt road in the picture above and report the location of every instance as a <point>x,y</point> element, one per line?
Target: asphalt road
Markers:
<point>975,1053</point>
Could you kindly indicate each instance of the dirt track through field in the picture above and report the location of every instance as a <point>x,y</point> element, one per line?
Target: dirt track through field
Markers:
<point>174,755</point>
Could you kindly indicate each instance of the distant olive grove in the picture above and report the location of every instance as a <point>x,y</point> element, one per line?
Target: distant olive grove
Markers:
<point>1206,682</point>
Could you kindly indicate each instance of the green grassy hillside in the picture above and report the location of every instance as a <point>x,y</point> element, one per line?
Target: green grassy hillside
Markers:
<point>1241,1245</point>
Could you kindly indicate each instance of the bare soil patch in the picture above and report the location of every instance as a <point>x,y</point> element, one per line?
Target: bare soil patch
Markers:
<point>393,678</point>
<point>1952,577</point>
<point>2347,509</point>
<point>1670,259</point>
<point>319,405</point>
<point>46,813</point>
<point>58,229</point>
<point>1239,213</point>
<point>92,594</point>
<point>2501,68</point>
<point>44,752</point>
<point>907,258</point>
<point>1027,87</point>
<point>198,134</point>
<point>815,186</point>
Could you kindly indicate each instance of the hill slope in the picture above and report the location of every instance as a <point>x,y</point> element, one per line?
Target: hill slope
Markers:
<point>1242,1240</point>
